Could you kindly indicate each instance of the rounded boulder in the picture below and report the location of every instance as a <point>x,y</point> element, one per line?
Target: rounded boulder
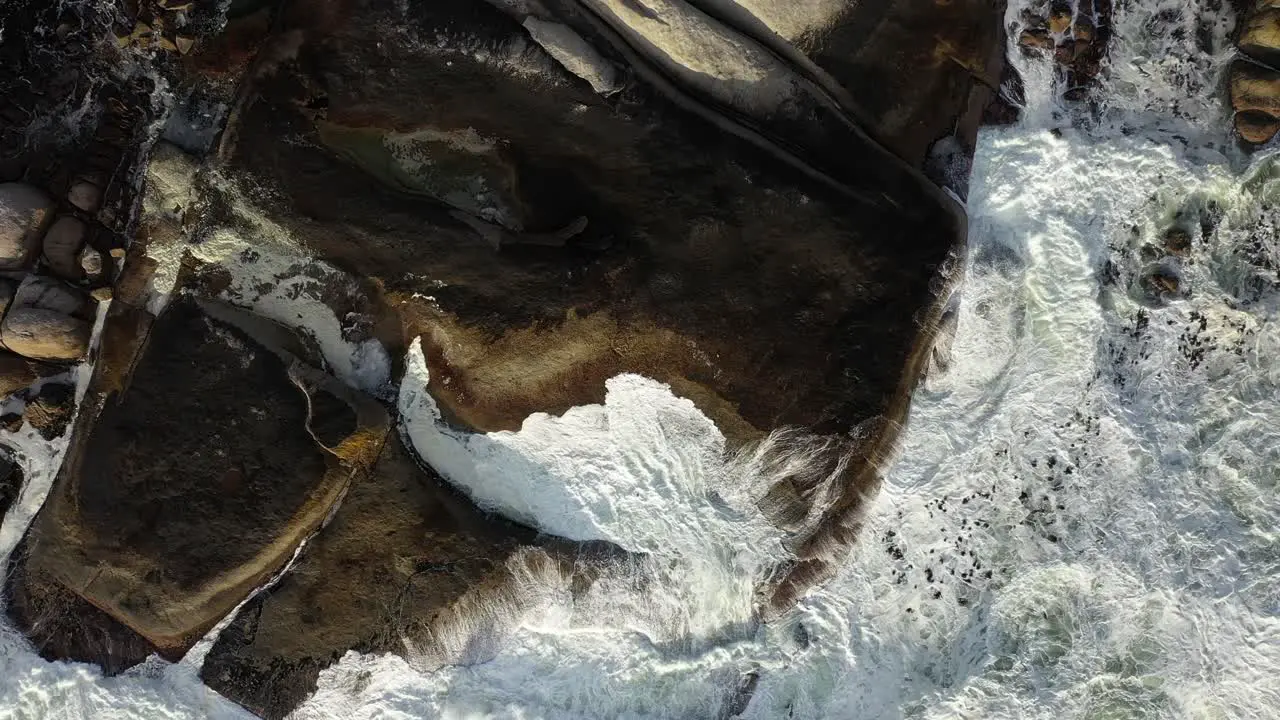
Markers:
<point>24,213</point>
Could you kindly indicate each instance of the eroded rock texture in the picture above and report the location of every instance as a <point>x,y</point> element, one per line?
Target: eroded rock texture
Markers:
<point>730,206</point>
<point>194,484</point>
<point>758,203</point>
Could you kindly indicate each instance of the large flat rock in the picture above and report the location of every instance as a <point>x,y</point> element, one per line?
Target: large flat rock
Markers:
<point>197,479</point>
<point>781,264</point>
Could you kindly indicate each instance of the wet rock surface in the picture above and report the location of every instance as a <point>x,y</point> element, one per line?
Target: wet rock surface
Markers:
<point>10,482</point>
<point>1075,35</point>
<point>569,195</point>
<point>190,488</point>
<point>404,560</point>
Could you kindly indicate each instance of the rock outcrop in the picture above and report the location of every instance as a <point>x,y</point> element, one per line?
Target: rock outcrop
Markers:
<point>1075,34</point>
<point>674,188</point>
<point>1255,81</point>
<point>181,497</point>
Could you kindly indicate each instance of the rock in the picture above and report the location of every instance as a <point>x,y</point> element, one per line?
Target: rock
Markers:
<point>11,422</point>
<point>85,195</point>
<point>45,334</point>
<point>1256,127</point>
<point>51,410</point>
<point>1261,35</point>
<point>186,489</point>
<point>8,288</point>
<point>24,213</point>
<point>46,293</point>
<point>91,264</point>
<point>10,481</point>
<point>687,270</point>
<point>404,556</point>
<point>16,373</point>
<point>1161,283</point>
<point>1177,241</point>
<point>1060,22</point>
<point>575,54</point>
<point>62,246</point>
<point>1255,89</point>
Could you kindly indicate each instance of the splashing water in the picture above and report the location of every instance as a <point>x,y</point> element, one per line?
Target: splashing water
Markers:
<point>1082,522</point>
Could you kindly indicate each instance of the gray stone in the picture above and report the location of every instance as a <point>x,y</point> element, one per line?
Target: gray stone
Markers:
<point>24,214</point>
<point>47,293</point>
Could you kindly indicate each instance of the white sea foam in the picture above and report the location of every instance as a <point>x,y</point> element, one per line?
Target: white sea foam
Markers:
<point>1110,463</point>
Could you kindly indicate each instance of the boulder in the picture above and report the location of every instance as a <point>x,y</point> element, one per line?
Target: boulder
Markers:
<point>42,334</point>
<point>1256,127</point>
<point>25,212</point>
<point>85,195</point>
<point>47,293</point>
<point>62,245</point>
<point>187,489</point>
<point>1261,34</point>
<point>1255,89</point>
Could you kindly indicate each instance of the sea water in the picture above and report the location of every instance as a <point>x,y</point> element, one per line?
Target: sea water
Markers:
<point>1083,520</point>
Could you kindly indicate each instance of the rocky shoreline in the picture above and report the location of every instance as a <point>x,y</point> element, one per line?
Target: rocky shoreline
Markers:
<point>542,197</point>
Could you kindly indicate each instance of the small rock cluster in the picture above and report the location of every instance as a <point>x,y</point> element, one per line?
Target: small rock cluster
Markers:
<point>47,265</point>
<point>1075,37</point>
<point>1255,83</point>
<point>161,24</point>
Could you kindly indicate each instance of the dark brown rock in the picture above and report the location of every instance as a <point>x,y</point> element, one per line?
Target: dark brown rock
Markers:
<point>715,235</point>
<point>62,246</point>
<point>196,483</point>
<point>404,558</point>
<point>10,482</point>
<point>51,409</point>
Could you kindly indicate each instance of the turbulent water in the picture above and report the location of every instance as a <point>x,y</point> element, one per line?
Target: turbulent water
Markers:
<point>1084,520</point>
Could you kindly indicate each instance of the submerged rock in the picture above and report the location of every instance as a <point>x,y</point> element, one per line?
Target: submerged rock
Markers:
<point>50,411</point>
<point>742,192</point>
